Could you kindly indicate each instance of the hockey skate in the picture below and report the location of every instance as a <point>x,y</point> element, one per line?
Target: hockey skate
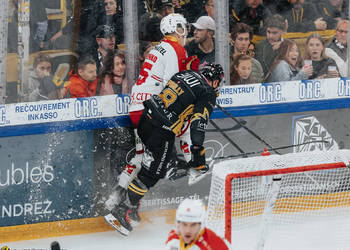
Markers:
<point>134,216</point>
<point>118,219</point>
<point>195,176</point>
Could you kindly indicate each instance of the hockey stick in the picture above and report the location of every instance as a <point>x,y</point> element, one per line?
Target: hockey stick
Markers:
<point>226,136</point>
<point>248,129</point>
<point>194,176</point>
<point>261,151</point>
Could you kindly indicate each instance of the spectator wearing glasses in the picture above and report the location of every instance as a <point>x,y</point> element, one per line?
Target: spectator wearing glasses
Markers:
<point>337,48</point>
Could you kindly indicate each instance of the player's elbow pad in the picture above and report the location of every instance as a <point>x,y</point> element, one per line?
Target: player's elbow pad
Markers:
<point>198,131</point>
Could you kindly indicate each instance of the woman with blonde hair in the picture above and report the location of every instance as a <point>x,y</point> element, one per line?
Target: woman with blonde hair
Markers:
<point>287,64</point>
<point>322,65</point>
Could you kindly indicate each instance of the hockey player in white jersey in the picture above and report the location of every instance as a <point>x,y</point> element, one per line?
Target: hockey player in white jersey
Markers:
<point>162,62</point>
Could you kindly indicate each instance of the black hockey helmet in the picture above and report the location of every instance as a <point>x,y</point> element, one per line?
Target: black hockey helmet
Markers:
<point>213,72</point>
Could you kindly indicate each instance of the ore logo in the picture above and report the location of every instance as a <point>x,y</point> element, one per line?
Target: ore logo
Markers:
<point>86,108</point>
<point>270,93</point>
<point>344,87</point>
<point>3,120</point>
<point>310,90</point>
<point>122,104</point>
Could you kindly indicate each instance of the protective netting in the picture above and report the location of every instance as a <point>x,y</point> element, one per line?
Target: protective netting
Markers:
<point>314,203</point>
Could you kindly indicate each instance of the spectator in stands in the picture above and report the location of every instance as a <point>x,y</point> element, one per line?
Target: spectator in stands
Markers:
<point>178,8</point>
<point>37,24</point>
<point>241,70</point>
<point>86,17</point>
<point>150,21</point>
<point>303,17</point>
<point>241,35</point>
<point>190,232</point>
<point>337,48</point>
<point>267,50</point>
<point>209,8</point>
<point>112,77</point>
<point>251,50</point>
<point>203,44</point>
<point>93,15</point>
<point>331,11</point>
<point>114,18</point>
<point>105,41</point>
<point>322,65</point>
<point>254,14</point>
<point>83,82</point>
<point>40,84</point>
<point>286,66</point>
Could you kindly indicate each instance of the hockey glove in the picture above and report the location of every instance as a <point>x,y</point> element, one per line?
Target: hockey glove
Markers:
<point>191,63</point>
<point>198,159</point>
<point>177,169</point>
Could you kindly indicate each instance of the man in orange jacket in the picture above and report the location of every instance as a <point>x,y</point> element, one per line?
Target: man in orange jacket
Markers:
<point>191,232</point>
<point>83,83</point>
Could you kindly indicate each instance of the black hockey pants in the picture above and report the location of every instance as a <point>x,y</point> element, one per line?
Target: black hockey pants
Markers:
<point>159,145</point>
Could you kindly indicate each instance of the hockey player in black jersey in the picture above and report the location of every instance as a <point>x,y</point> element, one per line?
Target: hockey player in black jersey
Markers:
<point>188,96</point>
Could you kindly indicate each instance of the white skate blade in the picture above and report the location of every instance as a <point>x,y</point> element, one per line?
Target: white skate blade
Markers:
<point>194,176</point>
<point>113,222</point>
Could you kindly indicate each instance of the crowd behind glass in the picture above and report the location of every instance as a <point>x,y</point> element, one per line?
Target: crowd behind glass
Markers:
<point>270,40</point>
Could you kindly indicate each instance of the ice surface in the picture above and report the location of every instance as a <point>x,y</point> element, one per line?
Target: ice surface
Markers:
<point>153,236</point>
<point>145,237</point>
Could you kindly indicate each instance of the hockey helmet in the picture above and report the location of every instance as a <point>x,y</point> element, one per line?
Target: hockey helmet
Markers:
<point>191,210</point>
<point>171,22</point>
<point>213,72</point>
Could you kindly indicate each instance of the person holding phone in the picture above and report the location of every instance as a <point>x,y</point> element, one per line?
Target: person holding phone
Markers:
<point>323,66</point>
<point>287,65</point>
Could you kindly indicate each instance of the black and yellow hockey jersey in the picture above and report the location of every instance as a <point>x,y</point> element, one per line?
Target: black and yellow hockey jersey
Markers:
<point>187,96</point>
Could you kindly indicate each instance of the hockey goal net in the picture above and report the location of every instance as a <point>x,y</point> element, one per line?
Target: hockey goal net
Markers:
<point>291,201</point>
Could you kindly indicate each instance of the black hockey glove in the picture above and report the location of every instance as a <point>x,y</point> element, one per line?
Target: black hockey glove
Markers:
<point>177,169</point>
<point>198,159</point>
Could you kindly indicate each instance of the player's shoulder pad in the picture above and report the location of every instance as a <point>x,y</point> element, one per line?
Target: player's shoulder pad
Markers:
<point>190,76</point>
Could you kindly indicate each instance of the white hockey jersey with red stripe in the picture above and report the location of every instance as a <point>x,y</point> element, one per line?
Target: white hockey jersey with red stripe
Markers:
<point>162,62</point>
<point>206,240</point>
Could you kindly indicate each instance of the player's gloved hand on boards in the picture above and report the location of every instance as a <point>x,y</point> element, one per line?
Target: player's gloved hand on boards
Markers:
<point>198,159</point>
<point>191,63</point>
<point>177,168</point>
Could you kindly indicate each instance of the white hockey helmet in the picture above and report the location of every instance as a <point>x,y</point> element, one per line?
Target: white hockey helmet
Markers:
<point>171,22</point>
<point>191,210</point>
